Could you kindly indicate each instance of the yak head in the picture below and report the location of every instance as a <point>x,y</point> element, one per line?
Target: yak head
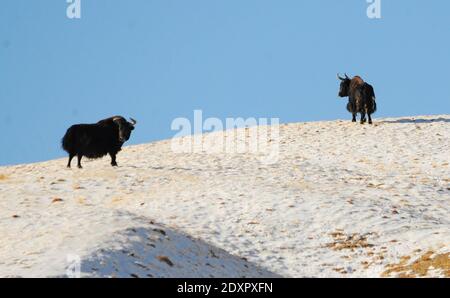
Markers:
<point>345,86</point>
<point>125,127</point>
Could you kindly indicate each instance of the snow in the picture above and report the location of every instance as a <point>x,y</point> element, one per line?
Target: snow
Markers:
<point>343,200</point>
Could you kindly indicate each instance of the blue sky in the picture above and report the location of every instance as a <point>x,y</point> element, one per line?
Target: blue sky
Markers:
<point>155,60</point>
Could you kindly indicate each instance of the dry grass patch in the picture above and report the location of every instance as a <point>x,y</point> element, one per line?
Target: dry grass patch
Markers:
<point>420,267</point>
<point>165,259</point>
<point>343,241</point>
<point>56,200</point>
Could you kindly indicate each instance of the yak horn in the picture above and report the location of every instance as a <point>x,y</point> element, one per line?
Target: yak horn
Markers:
<point>339,77</point>
<point>346,76</point>
<point>133,121</point>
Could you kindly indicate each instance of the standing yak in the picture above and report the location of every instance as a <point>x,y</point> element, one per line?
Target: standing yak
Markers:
<point>96,140</point>
<point>361,97</point>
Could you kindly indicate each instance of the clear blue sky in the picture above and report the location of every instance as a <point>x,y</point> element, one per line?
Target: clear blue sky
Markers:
<point>156,60</point>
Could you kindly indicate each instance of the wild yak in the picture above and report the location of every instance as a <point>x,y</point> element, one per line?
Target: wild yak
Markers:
<point>361,97</point>
<point>96,140</point>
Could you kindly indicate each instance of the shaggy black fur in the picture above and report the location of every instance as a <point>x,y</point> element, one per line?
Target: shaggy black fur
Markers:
<point>96,140</point>
<point>361,97</point>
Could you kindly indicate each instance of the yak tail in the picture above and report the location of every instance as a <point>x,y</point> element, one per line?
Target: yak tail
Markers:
<point>369,94</point>
<point>373,97</point>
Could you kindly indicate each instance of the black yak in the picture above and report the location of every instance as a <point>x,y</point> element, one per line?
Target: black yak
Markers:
<point>361,97</point>
<point>96,140</point>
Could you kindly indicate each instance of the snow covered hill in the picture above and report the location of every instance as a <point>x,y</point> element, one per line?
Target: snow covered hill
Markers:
<point>343,200</point>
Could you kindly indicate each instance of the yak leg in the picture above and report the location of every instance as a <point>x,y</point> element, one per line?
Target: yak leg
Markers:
<point>370,118</point>
<point>113,159</point>
<point>369,111</point>
<point>351,109</point>
<point>363,117</point>
<point>79,156</point>
<point>71,156</point>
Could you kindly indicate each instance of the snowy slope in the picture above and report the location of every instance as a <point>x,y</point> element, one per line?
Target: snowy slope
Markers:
<point>343,200</point>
